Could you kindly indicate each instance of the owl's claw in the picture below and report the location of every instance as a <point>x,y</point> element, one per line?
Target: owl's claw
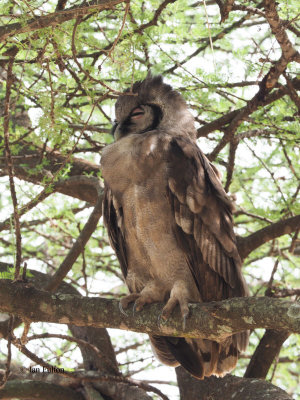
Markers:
<point>184,317</point>
<point>122,309</point>
<point>171,304</point>
<point>125,301</point>
<point>185,312</point>
<point>139,304</point>
<point>159,319</point>
<point>134,309</point>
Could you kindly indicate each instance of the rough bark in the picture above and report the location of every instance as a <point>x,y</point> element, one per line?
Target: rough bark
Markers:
<point>122,391</point>
<point>215,320</point>
<point>22,389</point>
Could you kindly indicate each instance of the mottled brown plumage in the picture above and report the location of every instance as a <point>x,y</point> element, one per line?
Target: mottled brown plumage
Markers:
<point>170,221</point>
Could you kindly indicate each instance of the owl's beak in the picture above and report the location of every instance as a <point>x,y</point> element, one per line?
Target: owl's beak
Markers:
<point>137,113</point>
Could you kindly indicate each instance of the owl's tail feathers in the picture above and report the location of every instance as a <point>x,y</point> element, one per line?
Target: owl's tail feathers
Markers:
<point>176,351</point>
<point>200,357</point>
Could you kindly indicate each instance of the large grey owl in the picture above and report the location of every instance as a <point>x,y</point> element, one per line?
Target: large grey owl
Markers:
<point>169,221</point>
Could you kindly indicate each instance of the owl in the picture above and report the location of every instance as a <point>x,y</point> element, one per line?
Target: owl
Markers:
<point>169,221</point>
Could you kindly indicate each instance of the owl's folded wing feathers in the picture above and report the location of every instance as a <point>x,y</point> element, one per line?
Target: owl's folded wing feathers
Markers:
<point>113,219</point>
<point>204,227</point>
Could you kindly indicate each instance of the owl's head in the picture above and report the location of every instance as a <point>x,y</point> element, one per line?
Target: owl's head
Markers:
<point>152,105</point>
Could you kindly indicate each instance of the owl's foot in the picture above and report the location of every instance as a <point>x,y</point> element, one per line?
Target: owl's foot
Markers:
<point>179,296</point>
<point>169,307</point>
<point>139,300</point>
<point>144,298</point>
<point>150,294</point>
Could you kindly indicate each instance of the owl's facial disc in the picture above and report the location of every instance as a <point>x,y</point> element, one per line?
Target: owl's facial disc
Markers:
<point>141,119</point>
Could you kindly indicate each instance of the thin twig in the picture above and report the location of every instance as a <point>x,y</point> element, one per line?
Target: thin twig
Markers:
<point>89,377</point>
<point>72,339</point>
<point>120,30</point>
<point>24,338</point>
<point>78,246</point>
<point>10,168</point>
<point>269,171</point>
<point>268,292</point>
<point>294,241</point>
<point>85,72</point>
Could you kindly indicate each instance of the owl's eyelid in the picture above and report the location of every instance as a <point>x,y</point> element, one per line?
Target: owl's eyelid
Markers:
<point>137,111</point>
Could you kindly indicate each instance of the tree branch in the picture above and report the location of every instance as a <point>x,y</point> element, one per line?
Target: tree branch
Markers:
<point>215,320</point>
<point>277,27</point>
<point>56,18</point>
<point>265,353</point>
<point>28,160</point>
<point>38,390</point>
<point>9,163</point>
<point>225,8</point>
<point>79,245</point>
<point>229,117</point>
<point>229,387</point>
<point>249,243</point>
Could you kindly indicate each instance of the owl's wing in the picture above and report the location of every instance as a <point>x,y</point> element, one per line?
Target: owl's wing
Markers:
<point>203,222</point>
<point>113,219</point>
<point>204,230</point>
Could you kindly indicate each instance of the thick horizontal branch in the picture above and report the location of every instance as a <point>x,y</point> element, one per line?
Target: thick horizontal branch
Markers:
<point>249,243</point>
<point>215,320</point>
<point>228,387</point>
<point>38,390</point>
<point>55,18</point>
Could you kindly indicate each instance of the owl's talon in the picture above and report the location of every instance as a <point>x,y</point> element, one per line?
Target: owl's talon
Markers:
<point>134,310</point>
<point>122,309</point>
<point>159,319</point>
<point>185,313</point>
<point>168,308</point>
<point>139,304</point>
<point>184,322</point>
<point>125,301</point>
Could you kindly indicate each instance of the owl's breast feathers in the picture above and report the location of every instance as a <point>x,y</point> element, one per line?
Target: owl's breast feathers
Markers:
<point>134,158</point>
<point>140,195</point>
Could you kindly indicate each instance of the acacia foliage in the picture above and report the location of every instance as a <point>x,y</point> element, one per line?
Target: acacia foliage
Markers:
<point>62,65</point>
